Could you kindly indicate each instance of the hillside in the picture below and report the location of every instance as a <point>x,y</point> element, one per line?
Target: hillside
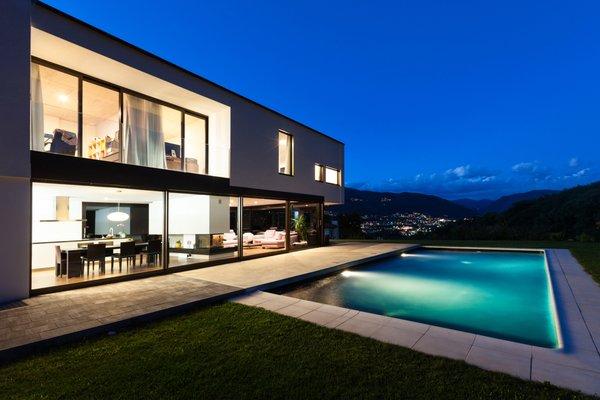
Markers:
<point>383,203</point>
<point>566,215</point>
<point>479,206</point>
<point>503,203</point>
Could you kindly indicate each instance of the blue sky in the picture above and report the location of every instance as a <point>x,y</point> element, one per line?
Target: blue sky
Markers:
<point>459,99</point>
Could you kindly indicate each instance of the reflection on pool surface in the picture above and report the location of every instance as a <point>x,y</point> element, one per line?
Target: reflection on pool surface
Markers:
<point>501,294</point>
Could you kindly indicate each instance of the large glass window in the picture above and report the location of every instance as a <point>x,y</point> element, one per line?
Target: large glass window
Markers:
<point>305,225</point>
<point>196,141</point>
<point>54,111</point>
<point>116,126</point>
<point>151,134</point>
<point>101,116</point>
<point>201,228</point>
<point>83,233</point>
<point>286,153</point>
<point>264,227</point>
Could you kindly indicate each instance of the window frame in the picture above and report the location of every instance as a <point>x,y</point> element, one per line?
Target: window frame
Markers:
<point>290,155</point>
<point>323,174</point>
<point>122,90</point>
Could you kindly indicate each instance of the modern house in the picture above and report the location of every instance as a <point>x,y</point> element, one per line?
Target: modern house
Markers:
<point>116,164</point>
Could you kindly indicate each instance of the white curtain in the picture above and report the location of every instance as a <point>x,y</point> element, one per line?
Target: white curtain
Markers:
<point>143,137</point>
<point>285,151</point>
<point>37,109</point>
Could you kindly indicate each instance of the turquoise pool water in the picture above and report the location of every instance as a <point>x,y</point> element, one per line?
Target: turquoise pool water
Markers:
<point>501,294</point>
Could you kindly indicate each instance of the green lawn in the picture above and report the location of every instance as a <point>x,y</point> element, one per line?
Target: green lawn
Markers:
<point>237,352</point>
<point>588,254</point>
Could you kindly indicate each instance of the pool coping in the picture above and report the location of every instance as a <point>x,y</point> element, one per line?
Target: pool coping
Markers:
<point>574,365</point>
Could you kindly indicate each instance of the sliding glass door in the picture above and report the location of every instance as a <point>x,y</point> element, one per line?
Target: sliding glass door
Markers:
<point>264,226</point>
<point>87,233</point>
<point>202,228</point>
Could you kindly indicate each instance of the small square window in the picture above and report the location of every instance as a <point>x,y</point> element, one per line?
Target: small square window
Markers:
<point>332,176</point>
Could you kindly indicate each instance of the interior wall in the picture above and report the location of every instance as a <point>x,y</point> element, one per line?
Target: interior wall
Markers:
<point>198,214</point>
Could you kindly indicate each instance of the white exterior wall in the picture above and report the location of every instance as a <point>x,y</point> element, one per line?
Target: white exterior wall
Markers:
<point>14,152</point>
<point>253,147</point>
<point>252,130</point>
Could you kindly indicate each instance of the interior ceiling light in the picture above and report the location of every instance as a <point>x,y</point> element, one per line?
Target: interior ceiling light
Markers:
<point>117,216</point>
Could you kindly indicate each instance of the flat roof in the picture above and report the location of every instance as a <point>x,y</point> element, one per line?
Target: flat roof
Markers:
<point>173,65</point>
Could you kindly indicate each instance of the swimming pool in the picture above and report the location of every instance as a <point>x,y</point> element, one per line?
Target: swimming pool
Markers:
<point>502,294</point>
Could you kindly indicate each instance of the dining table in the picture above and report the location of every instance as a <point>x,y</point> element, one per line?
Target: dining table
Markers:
<point>74,265</point>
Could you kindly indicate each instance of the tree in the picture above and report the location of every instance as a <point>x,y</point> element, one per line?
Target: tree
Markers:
<point>350,226</point>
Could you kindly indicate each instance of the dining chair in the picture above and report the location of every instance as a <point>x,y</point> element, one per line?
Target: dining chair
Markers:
<point>95,252</point>
<point>153,249</point>
<point>126,251</point>
<point>59,260</point>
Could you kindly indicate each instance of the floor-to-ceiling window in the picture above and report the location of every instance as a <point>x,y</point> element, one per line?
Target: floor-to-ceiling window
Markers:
<point>76,115</point>
<point>264,226</point>
<point>196,144</point>
<point>101,122</point>
<point>83,233</point>
<point>305,224</point>
<point>201,228</point>
<point>54,111</point>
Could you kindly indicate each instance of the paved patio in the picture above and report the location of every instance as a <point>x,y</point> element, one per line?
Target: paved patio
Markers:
<point>268,272</point>
<point>576,365</point>
<point>59,317</point>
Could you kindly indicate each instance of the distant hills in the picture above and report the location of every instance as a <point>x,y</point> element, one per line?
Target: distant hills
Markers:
<point>503,203</point>
<point>366,202</point>
<point>571,214</point>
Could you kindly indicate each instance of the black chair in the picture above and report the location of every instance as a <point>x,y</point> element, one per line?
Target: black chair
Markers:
<point>95,252</point>
<point>126,251</point>
<point>154,249</point>
<point>60,260</point>
<point>64,142</point>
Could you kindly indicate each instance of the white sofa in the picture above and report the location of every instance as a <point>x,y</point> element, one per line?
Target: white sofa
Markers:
<point>230,239</point>
<point>277,240</point>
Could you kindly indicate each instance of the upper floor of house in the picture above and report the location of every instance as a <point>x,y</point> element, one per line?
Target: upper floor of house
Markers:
<point>97,97</point>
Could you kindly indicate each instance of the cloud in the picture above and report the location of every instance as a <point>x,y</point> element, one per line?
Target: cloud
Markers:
<point>573,162</point>
<point>470,181</point>
<point>580,173</point>
<point>532,170</point>
<point>464,180</point>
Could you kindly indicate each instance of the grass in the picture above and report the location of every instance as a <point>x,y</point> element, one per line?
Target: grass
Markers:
<point>588,254</point>
<point>234,351</point>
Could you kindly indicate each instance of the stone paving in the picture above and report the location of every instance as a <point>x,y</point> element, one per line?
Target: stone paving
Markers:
<point>576,365</point>
<point>63,316</point>
<point>268,272</point>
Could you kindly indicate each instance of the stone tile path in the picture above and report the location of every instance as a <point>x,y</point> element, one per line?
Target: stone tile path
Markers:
<point>58,317</point>
<point>268,272</point>
<point>576,365</point>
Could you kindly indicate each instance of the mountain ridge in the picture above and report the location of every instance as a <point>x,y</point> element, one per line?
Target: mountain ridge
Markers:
<point>367,202</point>
<point>503,203</point>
